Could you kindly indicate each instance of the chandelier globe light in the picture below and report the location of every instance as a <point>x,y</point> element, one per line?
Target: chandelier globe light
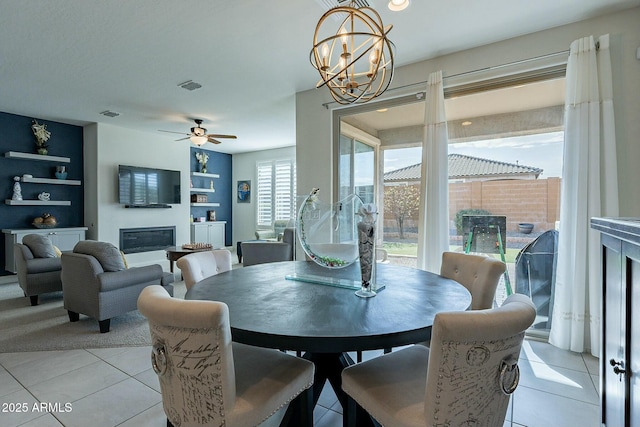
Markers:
<point>352,53</point>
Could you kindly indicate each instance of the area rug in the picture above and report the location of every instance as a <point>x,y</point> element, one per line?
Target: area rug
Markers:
<point>47,326</point>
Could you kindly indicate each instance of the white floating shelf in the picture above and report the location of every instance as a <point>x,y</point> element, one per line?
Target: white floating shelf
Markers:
<point>206,204</point>
<point>37,202</point>
<point>51,181</point>
<point>205,175</point>
<point>203,190</point>
<point>31,156</point>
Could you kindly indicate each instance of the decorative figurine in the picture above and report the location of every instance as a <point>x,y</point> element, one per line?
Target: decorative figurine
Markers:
<point>17,190</point>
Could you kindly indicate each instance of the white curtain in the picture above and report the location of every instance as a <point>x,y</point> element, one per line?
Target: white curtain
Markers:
<point>589,188</point>
<point>433,228</point>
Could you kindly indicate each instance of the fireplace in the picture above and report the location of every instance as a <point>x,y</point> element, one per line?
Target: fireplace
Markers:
<point>146,239</point>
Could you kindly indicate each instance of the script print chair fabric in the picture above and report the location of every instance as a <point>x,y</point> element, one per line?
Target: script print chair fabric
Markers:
<point>200,265</point>
<point>206,380</point>
<point>464,379</point>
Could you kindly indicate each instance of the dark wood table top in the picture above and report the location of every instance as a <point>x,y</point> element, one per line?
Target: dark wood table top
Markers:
<point>268,310</point>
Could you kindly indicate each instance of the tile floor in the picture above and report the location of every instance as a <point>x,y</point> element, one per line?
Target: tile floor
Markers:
<point>117,387</point>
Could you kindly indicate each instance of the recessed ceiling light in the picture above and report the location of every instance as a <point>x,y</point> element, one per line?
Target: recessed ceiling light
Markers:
<point>467,123</point>
<point>382,110</point>
<point>398,5</point>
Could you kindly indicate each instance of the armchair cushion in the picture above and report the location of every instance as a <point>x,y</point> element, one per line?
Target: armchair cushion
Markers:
<point>43,265</point>
<point>106,253</point>
<point>111,280</point>
<point>40,246</point>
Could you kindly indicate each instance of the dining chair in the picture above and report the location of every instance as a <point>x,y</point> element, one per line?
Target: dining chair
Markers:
<point>479,274</point>
<point>200,265</point>
<point>206,379</point>
<point>465,378</point>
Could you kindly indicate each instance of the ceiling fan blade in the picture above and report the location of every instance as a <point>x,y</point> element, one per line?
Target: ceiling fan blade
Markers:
<point>170,131</point>
<point>212,135</point>
<point>214,141</point>
<point>182,139</point>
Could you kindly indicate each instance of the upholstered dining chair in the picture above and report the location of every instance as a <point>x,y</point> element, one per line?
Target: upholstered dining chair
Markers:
<point>206,379</point>
<point>465,378</point>
<point>479,274</point>
<point>200,265</point>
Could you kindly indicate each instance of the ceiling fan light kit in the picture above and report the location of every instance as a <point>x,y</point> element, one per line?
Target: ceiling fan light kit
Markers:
<point>199,135</point>
<point>355,60</point>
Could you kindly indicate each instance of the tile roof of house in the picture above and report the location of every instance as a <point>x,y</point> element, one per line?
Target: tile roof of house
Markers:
<point>461,166</point>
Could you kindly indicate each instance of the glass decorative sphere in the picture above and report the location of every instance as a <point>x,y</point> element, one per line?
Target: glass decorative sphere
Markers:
<point>328,232</point>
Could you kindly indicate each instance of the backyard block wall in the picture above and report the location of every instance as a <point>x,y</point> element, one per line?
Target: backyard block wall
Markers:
<point>534,201</point>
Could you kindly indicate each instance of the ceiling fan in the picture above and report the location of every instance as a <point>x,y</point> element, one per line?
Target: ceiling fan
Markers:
<point>199,135</point>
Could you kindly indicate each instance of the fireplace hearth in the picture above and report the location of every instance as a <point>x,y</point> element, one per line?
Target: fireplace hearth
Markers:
<point>146,239</point>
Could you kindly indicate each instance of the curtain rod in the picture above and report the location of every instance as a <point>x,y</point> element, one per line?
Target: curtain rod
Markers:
<point>479,70</point>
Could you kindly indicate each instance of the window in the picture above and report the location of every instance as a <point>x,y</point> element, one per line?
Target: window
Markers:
<point>276,191</point>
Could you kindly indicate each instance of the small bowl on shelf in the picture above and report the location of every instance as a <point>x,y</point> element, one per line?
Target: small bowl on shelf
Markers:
<point>44,225</point>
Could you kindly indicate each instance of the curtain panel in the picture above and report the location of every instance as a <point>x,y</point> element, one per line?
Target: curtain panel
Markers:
<point>433,229</point>
<point>589,188</point>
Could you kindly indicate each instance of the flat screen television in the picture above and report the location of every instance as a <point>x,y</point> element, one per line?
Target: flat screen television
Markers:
<point>140,187</point>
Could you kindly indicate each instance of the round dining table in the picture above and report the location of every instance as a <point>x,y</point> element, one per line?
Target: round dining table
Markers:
<point>275,305</point>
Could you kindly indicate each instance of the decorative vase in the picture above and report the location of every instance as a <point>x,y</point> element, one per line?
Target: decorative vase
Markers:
<point>366,250</point>
<point>43,151</point>
<point>203,167</point>
<point>61,172</point>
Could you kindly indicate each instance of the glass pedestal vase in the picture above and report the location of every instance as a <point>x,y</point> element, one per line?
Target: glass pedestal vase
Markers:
<point>366,249</point>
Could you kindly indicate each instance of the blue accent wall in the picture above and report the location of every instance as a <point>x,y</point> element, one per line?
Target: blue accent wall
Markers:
<point>219,163</point>
<point>66,141</point>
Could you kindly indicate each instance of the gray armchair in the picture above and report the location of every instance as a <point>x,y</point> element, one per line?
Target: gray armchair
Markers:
<point>260,252</point>
<point>95,282</point>
<point>38,266</point>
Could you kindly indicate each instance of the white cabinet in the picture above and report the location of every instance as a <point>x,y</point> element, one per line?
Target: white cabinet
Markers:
<point>63,238</point>
<point>209,232</point>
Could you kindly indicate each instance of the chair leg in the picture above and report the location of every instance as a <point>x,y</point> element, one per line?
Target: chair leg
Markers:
<point>73,316</point>
<point>349,416</point>
<point>34,300</point>
<point>104,325</point>
<point>305,400</point>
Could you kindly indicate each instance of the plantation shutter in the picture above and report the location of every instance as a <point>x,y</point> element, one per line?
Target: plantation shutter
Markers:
<point>265,179</point>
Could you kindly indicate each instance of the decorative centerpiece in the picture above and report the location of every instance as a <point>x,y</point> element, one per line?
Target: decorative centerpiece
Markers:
<point>46,220</point>
<point>328,232</point>
<point>366,248</point>
<point>42,136</point>
<point>203,158</point>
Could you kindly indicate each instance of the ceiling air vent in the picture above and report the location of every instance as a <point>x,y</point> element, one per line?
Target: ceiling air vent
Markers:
<point>109,113</point>
<point>190,85</point>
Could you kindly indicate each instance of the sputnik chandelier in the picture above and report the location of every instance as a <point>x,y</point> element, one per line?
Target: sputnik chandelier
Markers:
<point>352,53</point>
